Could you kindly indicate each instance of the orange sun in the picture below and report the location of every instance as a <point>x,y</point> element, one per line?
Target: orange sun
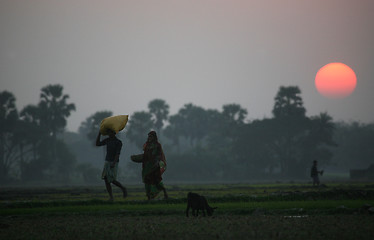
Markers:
<point>335,80</point>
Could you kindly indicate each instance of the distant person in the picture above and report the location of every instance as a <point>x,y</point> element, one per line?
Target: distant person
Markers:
<point>314,173</point>
<point>113,150</point>
<point>151,172</point>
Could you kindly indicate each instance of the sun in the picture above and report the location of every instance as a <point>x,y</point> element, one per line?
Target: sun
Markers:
<point>335,80</point>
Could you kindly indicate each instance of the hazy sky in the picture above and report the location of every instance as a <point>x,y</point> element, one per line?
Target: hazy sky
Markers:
<point>119,55</point>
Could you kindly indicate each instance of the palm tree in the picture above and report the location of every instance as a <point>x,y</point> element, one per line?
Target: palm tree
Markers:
<point>288,102</point>
<point>290,128</point>
<point>54,108</point>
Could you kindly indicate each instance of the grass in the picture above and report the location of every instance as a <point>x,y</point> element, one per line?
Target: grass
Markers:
<point>180,227</point>
<point>261,211</point>
<point>228,208</point>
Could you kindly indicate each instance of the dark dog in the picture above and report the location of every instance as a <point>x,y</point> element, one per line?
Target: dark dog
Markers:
<point>197,202</point>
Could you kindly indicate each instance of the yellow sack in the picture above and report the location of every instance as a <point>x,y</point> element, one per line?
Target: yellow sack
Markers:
<point>115,123</point>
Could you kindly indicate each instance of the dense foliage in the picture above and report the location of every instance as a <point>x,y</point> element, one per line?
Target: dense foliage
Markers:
<point>200,144</point>
<point>30,148</point>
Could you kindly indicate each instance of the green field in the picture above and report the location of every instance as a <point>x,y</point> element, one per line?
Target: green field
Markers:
<point>260,211</point>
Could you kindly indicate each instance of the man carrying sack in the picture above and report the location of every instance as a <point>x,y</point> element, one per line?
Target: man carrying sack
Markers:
<point>109,126</point>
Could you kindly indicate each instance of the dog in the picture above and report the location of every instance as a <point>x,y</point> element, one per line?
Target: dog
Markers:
<point>197,202</point>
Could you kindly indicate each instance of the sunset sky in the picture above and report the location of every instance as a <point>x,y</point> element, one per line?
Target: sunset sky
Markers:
<point>119,55</point>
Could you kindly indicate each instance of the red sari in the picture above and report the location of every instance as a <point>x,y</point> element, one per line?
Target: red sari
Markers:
<point>154,165</point>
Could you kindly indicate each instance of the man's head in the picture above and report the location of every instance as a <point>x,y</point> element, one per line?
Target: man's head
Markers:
<point>111,133</point>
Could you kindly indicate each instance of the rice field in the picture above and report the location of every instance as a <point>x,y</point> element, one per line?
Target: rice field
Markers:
<point>245,211</point>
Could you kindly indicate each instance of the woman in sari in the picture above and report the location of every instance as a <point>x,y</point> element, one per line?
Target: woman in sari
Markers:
<point>154,165</point>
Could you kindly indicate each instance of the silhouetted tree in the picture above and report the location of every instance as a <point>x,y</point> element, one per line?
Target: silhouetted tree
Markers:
<point>319,141</point>
<point>297,139</point>
<point>228,123</point>
<point>90,127</point>
<point>8,121</point>
<point>256,147</point>
<point>43,122</point>
<point>54,108</point>
<point>174,130</point>
<point>222,131</point>
<point>234,113</point>
<point>193,123</point>
<point>160,112</point>
<point>139,125</point>
<point>288,102</point>
<point>30,116</point>
<point>63,168</point>
<point>291,129</point>
<point>33,138</point>
<point>355,143</point>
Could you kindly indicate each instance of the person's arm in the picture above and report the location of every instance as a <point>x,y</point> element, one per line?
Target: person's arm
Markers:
<point>98,143</point>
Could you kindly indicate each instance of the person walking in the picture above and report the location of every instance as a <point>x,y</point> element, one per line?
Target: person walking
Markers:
<point>314,173</point>
<point>109,174</point>
<point>154,164</point>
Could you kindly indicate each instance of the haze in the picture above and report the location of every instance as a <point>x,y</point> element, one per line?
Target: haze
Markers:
<point>119,55</point>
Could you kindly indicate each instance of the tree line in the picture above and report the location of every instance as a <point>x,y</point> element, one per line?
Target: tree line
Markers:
<point>200,144</point>
<point>212,144</point>
<point>29,146</point>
